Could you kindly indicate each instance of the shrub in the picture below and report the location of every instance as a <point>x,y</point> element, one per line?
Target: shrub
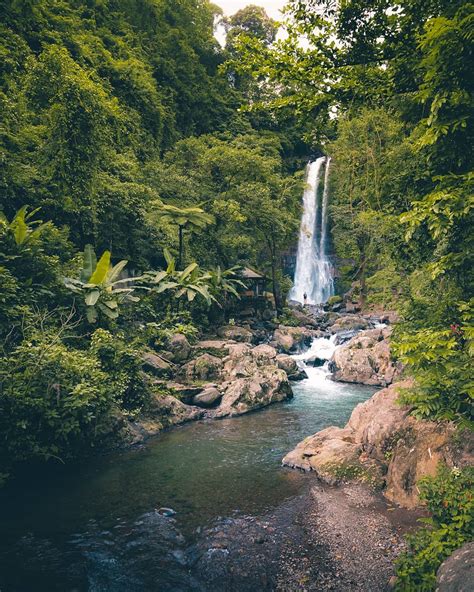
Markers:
<point>54,401</point>
<point>288,319</point>
<point>123,366</point>
<point>334,300</point>
<point>449,497</point>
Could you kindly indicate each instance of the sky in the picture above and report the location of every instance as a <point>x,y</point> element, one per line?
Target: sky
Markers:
<point>271,6</point>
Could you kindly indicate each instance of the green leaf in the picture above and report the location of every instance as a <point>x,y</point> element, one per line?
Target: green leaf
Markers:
<point>112,314</point>
<point>114,273</point>
<point>92,297</point>
<point>112,304</point>
<point>160,276</point>
<point>101,269</point>
<point>91,314</point>
<point>89,263</point>
<point>189,269</point>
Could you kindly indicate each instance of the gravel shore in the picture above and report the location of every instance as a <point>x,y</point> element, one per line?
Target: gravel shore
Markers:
<point>343,539</point>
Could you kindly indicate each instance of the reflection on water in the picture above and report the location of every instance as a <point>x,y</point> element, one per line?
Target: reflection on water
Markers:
<point>91,527</point>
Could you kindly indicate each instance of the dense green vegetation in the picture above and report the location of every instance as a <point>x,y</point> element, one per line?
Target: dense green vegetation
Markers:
<point>122,153</point>
<point>132,144</point>
<point>389,88</point>
<point>450,501</point>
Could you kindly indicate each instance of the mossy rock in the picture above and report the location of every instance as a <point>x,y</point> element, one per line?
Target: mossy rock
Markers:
<point>334,300</point>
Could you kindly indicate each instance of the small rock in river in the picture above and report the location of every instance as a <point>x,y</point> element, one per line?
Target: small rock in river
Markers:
<point>166,512</point>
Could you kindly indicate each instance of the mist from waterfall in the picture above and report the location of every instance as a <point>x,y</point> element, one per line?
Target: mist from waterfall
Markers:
<point>313,274</point>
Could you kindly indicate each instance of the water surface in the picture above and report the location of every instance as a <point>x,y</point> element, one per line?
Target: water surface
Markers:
<point>91,527</point>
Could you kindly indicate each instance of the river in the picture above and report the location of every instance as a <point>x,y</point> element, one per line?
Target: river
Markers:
<point>94,527</point>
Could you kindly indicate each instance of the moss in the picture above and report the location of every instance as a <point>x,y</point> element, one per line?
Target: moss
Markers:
<point>334,300</point>
<point>212,351</point>
<point>354,471</point>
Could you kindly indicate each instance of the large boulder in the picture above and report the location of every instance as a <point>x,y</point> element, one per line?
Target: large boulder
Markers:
<point>208,397</point>
<point>251,380</point>
<point>179,348</point>
<point>456,573</point>
<point>204,367</point>
<point>215,347</point>
<point>156,365</point>
<point>267,385</point>
<point>366,359</point>
<point>235,333</point>
<point>264,353</point>
<point>289,365</point>
<point>162,412</point>
<point>375,421</point>
<point>419,448</point>
<point>349,323</point>
<point>381,442</point>
<point>291,338</point>
<point>330,448</point>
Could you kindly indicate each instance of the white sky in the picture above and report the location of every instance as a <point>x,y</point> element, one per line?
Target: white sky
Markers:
<point>271,6</point>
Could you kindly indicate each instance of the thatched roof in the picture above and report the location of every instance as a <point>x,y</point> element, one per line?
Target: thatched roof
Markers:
<point>251,274</point>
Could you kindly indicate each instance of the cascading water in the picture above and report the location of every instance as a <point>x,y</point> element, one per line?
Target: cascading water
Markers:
<point>313,274</point>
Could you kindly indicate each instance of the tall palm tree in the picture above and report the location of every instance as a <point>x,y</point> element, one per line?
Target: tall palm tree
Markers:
<point>192,218</point>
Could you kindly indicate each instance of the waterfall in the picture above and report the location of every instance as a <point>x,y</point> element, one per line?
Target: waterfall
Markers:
<point>313,274</point>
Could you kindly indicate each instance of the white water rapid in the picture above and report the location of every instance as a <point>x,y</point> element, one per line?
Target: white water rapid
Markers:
<point>313,274</point>
<point>321,352</point>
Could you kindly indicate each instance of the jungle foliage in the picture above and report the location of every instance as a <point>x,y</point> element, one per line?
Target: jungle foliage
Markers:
<point>133,146</point>
<point>389,88</point>
<point>132,190</point>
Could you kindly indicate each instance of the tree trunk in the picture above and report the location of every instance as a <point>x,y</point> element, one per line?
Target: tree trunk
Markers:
<point>275,286</point>
<point>180,256</point>
<point>363,285</point>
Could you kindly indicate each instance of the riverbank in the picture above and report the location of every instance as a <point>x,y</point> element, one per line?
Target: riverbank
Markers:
<point>341,539</point>
<point>241,521</point>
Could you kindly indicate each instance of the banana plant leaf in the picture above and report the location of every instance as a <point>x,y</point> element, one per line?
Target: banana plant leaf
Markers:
<point>160,276</point>
<point>166,286</point>
<point>112,314</point>
<point>91,314</point>
<point>92,297</point>
<point>89,263</point>
<point>186,272</point>
<point>114,273</point>
<point>101,270</point>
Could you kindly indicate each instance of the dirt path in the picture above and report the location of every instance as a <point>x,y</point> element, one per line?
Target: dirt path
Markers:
<point>342,539</point>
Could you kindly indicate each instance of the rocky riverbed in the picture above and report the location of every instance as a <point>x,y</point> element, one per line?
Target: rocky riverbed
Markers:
<point>245,368</point>
<point>341,539</point>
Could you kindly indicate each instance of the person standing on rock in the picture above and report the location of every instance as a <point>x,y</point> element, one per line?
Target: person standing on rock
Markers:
<point>305,298</point>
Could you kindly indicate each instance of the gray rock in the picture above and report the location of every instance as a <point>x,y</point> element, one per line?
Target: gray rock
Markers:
<point>267,385</point>
<point>366,359</point>
<point>289,365</point>
<point>156,364</point>
<point>291,338</point>
<point>208,397</point>
<point>216,347</point>
<point>235,333</point>
<point>456,573</point>
<point>166,512</point>
<point>179,348</point>
<point>349,323</point>
<point>204,367</point>
<point>162,412</point>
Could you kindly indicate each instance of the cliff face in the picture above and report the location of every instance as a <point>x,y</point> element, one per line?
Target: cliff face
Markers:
<point>384,445</point>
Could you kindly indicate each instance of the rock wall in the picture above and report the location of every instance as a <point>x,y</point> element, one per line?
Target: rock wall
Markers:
<point>384,445</point>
